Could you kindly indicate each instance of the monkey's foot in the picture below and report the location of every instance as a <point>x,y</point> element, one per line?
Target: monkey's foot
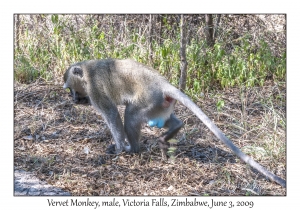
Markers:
<point>163,144</point>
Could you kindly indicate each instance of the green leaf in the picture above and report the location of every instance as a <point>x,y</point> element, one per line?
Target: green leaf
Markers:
<point>102,35</point>
<point>54,19</point>
<point>173,141</point>
<point>220,105</point>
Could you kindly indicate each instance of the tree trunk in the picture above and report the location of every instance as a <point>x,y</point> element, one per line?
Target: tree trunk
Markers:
<point>183,66</point>
<point>150,40</point>
<point>160,20</point>
<point>209,30</point>
<point>17,31</point>
<point>217,25</point>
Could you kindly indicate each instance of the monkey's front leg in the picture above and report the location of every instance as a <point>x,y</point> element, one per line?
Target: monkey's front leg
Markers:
<point>115,125</point>
<point>112,118</point>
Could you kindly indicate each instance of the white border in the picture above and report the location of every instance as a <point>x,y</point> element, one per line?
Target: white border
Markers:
<point>8,8</point>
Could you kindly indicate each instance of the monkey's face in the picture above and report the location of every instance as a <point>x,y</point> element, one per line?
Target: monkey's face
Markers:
<point>73,80</point>
<point>78,98</point>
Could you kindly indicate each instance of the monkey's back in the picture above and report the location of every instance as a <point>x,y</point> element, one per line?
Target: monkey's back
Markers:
<point>124,80</point>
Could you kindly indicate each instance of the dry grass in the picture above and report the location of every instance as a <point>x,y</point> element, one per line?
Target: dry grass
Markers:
<point>64,144</point>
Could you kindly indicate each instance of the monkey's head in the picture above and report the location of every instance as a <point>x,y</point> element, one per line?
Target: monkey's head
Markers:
<point>74,81</point>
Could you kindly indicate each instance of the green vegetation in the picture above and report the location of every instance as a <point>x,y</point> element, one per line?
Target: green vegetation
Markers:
<point>46,51</point>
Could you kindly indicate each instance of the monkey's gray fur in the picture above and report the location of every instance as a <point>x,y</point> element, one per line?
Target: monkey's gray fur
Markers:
<point>148,96</point>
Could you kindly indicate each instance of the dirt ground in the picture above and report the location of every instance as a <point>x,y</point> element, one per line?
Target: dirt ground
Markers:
<point>64,144</point>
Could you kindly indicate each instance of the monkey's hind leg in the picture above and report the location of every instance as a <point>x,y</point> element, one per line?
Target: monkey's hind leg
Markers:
<point>132,126</point>
<point>173,125</point>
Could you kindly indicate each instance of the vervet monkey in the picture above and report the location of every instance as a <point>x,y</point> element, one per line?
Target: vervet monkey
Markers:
<point>149,98</point>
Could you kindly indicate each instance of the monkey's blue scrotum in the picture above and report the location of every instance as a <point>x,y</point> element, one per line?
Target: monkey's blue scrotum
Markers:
<point>159,122</point>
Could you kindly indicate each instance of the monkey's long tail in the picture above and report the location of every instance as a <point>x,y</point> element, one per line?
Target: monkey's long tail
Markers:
<point>185,100</point>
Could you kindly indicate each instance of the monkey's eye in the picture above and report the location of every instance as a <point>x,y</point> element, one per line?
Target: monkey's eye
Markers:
<point>68,90</point>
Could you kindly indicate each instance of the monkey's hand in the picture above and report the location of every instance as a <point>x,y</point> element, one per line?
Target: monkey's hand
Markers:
<point>159,122</point>
<point>111,149</point>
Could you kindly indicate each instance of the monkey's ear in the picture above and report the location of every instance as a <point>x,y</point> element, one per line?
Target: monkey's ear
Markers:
<point>76,70</point>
